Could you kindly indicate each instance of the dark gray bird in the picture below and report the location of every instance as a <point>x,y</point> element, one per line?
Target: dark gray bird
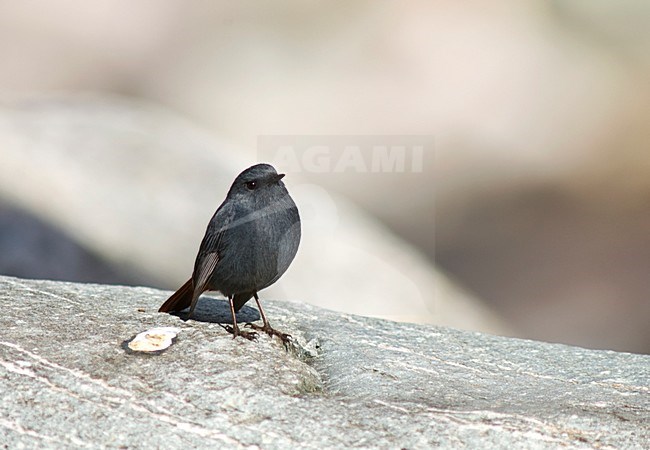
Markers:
<point>249,244</point>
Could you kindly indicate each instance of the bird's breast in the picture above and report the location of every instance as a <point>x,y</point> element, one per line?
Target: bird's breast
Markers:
<point>255,253</point>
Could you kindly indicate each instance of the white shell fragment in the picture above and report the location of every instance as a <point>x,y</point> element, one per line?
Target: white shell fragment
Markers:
<point>154,340</point>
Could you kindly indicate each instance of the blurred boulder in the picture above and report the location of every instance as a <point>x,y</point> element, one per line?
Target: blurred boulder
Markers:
<point>33,248</point>
<point>138,185</point>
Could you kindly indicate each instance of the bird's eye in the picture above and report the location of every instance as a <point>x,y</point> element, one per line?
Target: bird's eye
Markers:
<point>251,185</point>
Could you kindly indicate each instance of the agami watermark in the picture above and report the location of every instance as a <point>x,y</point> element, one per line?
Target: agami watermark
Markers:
<point>341,154</point>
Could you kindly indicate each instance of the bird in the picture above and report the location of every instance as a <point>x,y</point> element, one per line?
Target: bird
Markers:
<point>248,245</point>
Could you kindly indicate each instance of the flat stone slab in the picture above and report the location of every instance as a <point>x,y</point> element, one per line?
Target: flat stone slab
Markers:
<point>69,380</point>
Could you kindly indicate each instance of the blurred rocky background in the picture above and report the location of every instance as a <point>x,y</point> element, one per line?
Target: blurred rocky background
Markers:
<point>122,125</point>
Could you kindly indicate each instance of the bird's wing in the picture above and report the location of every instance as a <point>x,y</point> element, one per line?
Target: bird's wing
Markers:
<point>204,268</point>
<point>208,256</point>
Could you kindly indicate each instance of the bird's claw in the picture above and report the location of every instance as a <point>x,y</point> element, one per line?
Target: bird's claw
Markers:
<point>250,335</point>
<point>284,337</point>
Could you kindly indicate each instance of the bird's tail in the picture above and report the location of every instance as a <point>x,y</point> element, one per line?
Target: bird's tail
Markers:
<point>180,299</point>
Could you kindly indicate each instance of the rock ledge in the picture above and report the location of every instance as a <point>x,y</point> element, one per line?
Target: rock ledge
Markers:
<point>67,379</point>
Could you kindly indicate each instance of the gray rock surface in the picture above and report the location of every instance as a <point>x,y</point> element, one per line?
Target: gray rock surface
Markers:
<point>68,380</point>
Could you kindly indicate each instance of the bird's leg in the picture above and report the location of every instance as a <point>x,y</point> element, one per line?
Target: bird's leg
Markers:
<point>266,328</point>
<point>250,335</point>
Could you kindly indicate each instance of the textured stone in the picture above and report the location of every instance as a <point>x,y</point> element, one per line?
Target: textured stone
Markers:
<point>68,380</point>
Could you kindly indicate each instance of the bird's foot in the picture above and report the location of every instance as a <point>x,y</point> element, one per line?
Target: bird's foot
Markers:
<point>235,331</point>
<point>285,338</point>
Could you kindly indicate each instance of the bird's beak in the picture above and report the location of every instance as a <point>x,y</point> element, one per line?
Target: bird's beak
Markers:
<point>278,177</point>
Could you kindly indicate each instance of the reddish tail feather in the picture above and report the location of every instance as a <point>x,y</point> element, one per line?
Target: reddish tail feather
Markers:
<point>180,299</point>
